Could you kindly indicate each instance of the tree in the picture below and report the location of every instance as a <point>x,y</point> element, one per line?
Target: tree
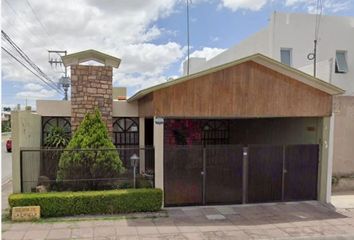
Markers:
<point>87,155</point>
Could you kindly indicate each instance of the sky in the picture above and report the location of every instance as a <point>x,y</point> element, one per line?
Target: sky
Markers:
<point>149,36</point>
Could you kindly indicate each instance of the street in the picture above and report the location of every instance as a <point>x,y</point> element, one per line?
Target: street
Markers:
<point>6,160</point>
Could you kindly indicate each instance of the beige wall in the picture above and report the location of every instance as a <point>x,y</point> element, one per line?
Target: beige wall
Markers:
<point>125,109</point>
<point>119,92</point>
<point>26,133</point>
<point>55,108</point>
<point>61,108</point>
<point>343,149</point>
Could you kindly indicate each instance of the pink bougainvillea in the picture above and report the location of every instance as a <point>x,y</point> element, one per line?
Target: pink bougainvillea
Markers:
<point>182,132</point>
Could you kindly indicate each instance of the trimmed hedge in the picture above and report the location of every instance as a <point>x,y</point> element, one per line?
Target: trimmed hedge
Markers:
<point>56,204</point>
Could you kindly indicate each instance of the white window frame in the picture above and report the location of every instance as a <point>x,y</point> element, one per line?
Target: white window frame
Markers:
<point>342,69</point>
<point>291,55</point>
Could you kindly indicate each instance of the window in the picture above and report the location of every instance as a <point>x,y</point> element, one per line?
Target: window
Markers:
<point>285,56</point>
<point>341,62</point>
<point>49,122</point>
<point>126,132</point>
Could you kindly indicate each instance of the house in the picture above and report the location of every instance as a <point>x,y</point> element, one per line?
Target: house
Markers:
<point>5,121</point>
<point>252,130</point>
<point>289,38</point>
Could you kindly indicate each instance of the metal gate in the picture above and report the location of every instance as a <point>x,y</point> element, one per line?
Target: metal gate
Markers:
<point>195,175</point>
<point>301,159</point>
<point>265,170</point>
<point>183,181</point>
<point>233,174</point>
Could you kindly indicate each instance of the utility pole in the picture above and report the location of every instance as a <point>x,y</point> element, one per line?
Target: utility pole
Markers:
<point>313,56</point>
<point>187,37</point>
<point>64,81</point>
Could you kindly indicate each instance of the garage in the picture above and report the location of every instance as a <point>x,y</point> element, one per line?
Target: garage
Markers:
<point>249,131</point>
<point>240,161</point>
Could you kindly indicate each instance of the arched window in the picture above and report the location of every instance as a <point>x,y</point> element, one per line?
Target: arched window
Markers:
<point>49,122</point>
<point>125,132</point>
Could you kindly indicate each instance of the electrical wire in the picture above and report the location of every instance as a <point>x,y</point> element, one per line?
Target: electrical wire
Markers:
<point>24,23</point>
<point>18,17</point>
<point>40,23</point>
<point>26,58</point>
<point>20,62</point>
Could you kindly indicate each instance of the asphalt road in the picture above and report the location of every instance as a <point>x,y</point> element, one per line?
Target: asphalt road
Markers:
<point>6,161</point>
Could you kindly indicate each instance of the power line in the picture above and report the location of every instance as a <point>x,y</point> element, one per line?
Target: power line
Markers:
<point>18,17</point>
<point>24,23</point>
<point>40,23</point>
<point>187,37</point>
<point>40,78</point>
<point>26,58</point>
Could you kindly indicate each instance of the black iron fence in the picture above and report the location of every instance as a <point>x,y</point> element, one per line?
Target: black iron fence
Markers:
<point>50,169</point>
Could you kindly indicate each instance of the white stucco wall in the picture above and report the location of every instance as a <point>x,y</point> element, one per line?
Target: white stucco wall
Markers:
<point>257,43</point>
<point>296,31</point>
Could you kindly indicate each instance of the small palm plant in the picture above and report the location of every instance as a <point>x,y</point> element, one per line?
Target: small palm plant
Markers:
<point>57,138</point>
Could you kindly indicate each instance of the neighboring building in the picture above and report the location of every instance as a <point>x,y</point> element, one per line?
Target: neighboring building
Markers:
<point>289,38</point>
<point>252,130</point>
<point>5,121</point>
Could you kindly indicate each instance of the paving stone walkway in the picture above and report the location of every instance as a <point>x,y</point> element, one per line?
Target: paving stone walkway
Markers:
<point>305,220</point>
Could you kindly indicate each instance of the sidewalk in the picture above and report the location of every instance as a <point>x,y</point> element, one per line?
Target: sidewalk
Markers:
<point>343,200</point>
<point>302,220</point>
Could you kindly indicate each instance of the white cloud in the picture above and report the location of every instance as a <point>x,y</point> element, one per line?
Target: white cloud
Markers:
<point>123,29</point>
<point>33,87</point>
<point>331,6</point>
<point>207,52</point>
<point>253,5</point>
<point>149,58</point>
<point>38,94</point>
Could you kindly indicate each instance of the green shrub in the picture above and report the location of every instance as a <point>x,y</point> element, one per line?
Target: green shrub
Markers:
<point>90,164</point>
<point>57,137</point>
<point>55,204</point>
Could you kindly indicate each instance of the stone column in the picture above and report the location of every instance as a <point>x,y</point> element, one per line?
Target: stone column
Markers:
<point>91,87</point>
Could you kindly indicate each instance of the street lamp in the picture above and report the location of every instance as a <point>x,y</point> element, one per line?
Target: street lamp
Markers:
<point>134,159</point>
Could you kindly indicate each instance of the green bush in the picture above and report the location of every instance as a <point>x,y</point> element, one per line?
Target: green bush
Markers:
<point>89,164</point>
<point>56,204</point>
<point>57,137</point>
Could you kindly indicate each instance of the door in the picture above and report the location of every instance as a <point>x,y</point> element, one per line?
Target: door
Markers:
<point>301,171</point>
<point>223,175</point>
<point>183,181</point>
<point>265,171</point>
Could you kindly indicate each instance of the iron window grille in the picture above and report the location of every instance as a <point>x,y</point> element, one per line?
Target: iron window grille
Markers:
<point>49,122</point>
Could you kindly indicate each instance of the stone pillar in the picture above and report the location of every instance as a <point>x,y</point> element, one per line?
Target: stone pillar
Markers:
<point>91,87</point>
